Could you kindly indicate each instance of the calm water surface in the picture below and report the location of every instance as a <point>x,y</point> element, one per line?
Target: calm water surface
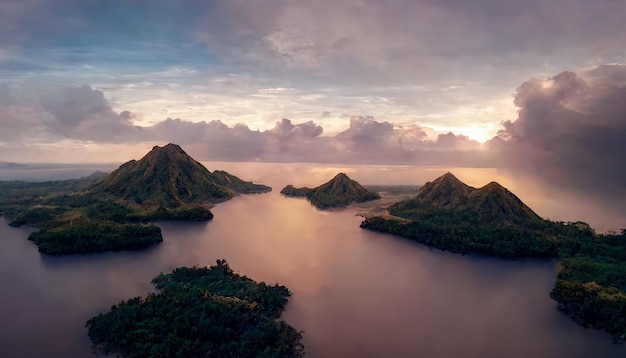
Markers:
<point>355,293</point>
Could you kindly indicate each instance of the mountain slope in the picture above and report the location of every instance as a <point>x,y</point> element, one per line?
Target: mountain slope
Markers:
<point>339,192</point>
<point>494,203</point>
<point>237,185</point>
<point>447,199</point>
<point>170,178</point>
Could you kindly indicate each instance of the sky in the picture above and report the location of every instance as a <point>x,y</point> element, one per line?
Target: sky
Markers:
<point>536,86</point>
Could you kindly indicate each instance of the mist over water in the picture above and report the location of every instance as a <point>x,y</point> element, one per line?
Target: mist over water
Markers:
<point>356,293</point>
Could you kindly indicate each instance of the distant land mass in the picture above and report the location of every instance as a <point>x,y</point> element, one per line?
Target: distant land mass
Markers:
<point>450,215</point>
<point>339,192</point>
<point>112,212</point>
<point>199,312</point>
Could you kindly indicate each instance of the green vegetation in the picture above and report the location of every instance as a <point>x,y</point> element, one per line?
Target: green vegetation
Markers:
<point>292,191</point>
<point>339,192</point>
<point>70,234</point>
<point>591,284</point>
<point>170,178</point>
<point>199,312</point>
<point>237,185</point>
<point>500,241</point>
<point>101,213</point>
<point>449,215</point>
<point>184,213</point>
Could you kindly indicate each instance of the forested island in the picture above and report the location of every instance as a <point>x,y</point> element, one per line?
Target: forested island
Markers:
<point>450,215</point>
<point>339,192</point>
<point>114,212</point>
<point>199,312</point>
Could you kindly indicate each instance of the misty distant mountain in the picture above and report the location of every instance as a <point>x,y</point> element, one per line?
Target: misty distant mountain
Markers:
<point>339,192</point>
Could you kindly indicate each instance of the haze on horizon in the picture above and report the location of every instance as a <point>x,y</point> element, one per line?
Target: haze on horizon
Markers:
<point>532,87</point>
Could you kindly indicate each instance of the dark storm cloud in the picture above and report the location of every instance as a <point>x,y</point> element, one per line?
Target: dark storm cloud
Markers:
<point>571,132</point>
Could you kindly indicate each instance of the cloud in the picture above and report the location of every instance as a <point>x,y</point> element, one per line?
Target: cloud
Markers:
<point>285,129</point>
<point>74,112</point>
<point>570,132</point>
<point>58,114</point>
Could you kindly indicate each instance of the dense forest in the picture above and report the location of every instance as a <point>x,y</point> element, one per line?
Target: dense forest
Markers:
<point>199,312</point>
<point>591,283</point>
<point>500,241</point>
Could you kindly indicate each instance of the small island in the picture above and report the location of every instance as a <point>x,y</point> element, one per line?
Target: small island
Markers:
<point>450,215</point>
<point>339,192</point>
<point>199,312</point>
<point>113,212</point>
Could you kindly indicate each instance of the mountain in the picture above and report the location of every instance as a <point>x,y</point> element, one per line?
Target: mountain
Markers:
<point>339,192</point>
<point>447,198</point>
<point>103,212</point>
<point>495,203</point>
<point>169,177</point>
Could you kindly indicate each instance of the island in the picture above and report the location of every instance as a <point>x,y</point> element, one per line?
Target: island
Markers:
<point>115,212</point>
<point>199,312</point>
<point>339,192</point>
<point>448,214</point>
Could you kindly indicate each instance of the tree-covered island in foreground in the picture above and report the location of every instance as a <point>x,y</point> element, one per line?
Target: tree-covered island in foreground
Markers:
<point>450,215</point>
<point>339,192</point>
<point>199,312</point>
<point>113,212</point>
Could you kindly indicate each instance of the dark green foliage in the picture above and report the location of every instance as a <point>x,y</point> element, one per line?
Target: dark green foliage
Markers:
<point>501,241</point>
<point>199,312</point>
<point>108,211</point>
<point>36,215</point>
<point>82,236</point>
<point>292,191</point>
<point>591,283</point>
<point>339,192</point>
<point>593,305</point>
<point>237,185</point>
<point>184,213</point>
<point>33,203</point>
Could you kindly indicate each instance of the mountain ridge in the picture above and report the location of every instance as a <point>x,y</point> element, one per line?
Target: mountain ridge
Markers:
<point>167,176</point>
<point>447,195</point>
<point>338,192</point>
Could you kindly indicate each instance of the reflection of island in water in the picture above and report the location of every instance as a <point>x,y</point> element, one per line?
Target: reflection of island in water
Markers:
<point>450,215</point>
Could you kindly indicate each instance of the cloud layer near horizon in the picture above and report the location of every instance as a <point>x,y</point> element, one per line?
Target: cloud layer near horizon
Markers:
<point>62,113</point>
<point>569,132</point>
